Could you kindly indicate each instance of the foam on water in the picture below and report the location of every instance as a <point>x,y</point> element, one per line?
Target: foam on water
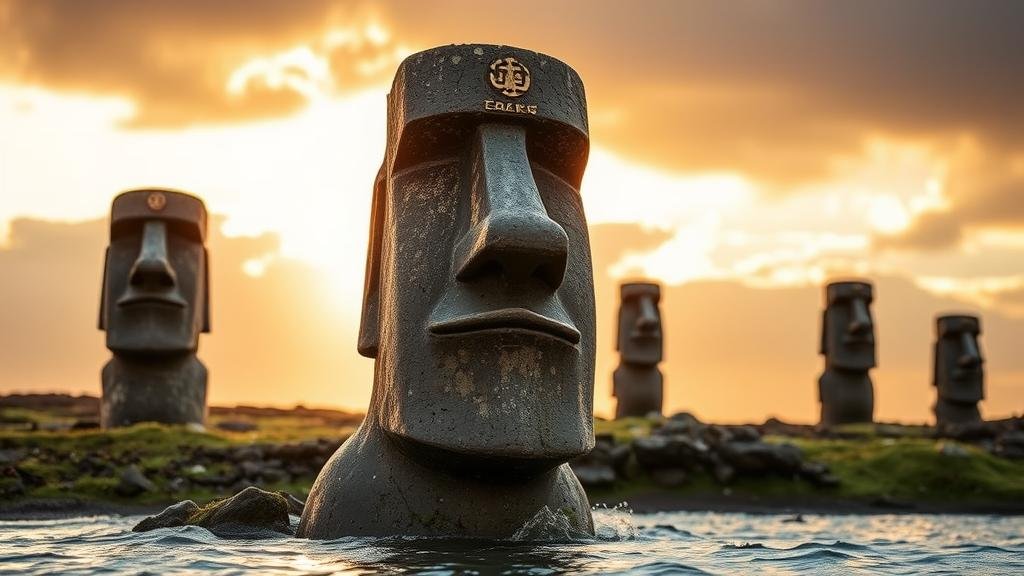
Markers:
<point>665,543</point>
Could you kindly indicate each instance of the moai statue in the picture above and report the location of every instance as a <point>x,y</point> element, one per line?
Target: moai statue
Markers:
<point>848,344</point>
<point>959,375</point>
<point>478,306</point>
<point>637,381</point>
<point>154,304</point>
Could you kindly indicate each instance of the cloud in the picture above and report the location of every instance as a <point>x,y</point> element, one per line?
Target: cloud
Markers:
<point>176,61</point>
<point>776,90</point>
<point>985,191</point>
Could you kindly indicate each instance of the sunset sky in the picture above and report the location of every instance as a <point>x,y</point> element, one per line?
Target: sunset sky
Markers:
<point>743,153</point>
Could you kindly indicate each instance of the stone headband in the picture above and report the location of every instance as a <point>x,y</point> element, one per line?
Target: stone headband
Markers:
<point>638,289</point>
<point>957,323</point>
<point>148,204</point>
<point>845,290</point>
<point>438,95</point>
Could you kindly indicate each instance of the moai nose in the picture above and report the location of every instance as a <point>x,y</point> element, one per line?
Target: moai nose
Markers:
<point>969,356</point>
<point>647,321</point>
<point>860,321</point>
<point>151,270</point>
<point>510,231</point>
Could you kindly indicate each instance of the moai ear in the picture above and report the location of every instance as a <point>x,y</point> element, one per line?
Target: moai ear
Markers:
<point>206,291</point>
<point>823,350</point>
<point>103,292</point>
<point>369,325</point>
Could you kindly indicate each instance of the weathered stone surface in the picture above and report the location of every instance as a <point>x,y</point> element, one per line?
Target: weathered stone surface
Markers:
<point>478,306</point>
<point>133,482</point>
<point>848,344</point>
<point>295,506</point>
<point>959,373</point>
<point>249,513</point>
<point>154,304</point>
<point>174,515</point>
<point>637,383</point>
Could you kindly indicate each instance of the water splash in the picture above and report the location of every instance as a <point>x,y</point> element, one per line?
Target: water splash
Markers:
<point>614,524</point>
<point>549,525</point>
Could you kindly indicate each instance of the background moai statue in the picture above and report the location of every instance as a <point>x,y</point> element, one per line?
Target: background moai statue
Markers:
<point>154,304</point>
<point>638,384</point>
<point>848,344</point>
<point>478,306</point>
<point>959,376</point>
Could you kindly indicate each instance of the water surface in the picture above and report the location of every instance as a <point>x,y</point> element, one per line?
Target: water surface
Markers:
<point>665,543</point>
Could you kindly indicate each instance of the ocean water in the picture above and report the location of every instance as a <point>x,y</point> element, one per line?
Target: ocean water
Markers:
<point>664,543</point>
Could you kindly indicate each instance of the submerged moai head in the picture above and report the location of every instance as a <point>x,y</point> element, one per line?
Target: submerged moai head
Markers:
<point>959,367</point>
<point>155,286</point>
<point>478,301</point>
<point>640,323</point>
<point>848,331</point>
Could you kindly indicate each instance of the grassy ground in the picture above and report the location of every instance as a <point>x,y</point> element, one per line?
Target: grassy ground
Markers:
<point>908,467</point>
<point>882,462</point>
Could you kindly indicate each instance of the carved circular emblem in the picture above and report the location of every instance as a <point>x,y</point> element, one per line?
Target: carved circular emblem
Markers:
<point>510,76</point>
<point>156,201</point>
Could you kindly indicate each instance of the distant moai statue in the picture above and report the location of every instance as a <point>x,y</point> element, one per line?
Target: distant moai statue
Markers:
<point>637,383</point>
<point>848,344</point>
<point>154,304</point>
<point>959,374</point>
<point>478,307</point>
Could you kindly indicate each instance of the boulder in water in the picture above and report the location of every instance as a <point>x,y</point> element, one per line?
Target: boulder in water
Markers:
<point>174,515</point>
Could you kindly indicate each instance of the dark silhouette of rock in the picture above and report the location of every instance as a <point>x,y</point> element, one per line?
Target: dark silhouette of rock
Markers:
<point>478,306</point>
<point>848,344</point>
<point>153,306</point>
<point>959,373</point>
<point>236,426</point>
<point>638,384</point>
<point>671,477</point>
<point>1010,445</point>
<point>174,515</point>
<point>133,482</point>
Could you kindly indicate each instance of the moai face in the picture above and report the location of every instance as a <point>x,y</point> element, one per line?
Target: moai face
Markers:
<point>959,367</point>
<point>479,304</point>
<point>640,324</point>
<point>155,289</point>
<point>848,331</point>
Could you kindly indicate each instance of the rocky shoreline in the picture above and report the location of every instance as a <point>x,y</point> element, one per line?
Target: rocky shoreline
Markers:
<point>676,463</point>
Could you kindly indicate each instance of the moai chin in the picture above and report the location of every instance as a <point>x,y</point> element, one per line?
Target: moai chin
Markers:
<point>154,304</point>
<point>959,375</point>
<point>848,344</point>
<point>478,306</point>
<point>637,382</point>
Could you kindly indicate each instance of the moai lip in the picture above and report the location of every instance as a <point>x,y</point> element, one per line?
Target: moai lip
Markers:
<point>959,370</point>
<point>845,389</point>
<point>478,306</point>
<point>153,306</point>
<point>638,383</point>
